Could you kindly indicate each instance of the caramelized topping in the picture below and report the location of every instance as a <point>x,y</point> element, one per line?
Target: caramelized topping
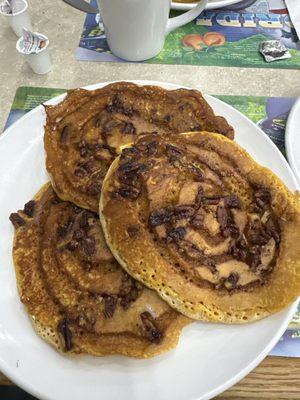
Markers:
<point>192,212</point>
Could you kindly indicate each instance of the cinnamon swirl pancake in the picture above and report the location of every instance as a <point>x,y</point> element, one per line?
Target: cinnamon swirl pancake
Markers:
<point>84,132</point>
<point>79,298</point>
<point>217,235</point>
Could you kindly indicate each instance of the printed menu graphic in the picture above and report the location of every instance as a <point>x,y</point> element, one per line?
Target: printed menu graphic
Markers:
<point>269,113</point>
<point>222,37</point>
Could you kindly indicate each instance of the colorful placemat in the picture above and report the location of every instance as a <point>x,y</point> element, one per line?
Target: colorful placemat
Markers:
<point>239,30</point>
<point>269,113</point>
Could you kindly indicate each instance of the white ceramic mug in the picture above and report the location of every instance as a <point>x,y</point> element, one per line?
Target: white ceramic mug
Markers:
<point>136,29</point>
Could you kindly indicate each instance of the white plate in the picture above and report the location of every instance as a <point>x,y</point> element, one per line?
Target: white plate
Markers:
<point>211,5</point>
<point>209,358</point>
<point>292,139</point>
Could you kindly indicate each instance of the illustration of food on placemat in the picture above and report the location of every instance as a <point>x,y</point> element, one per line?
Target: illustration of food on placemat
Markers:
<point>221,37</point>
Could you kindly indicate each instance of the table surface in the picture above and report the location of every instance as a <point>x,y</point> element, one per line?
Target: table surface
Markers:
<point>275,377</point>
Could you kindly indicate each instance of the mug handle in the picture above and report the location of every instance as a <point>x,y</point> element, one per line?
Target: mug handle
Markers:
<point>185,18</point>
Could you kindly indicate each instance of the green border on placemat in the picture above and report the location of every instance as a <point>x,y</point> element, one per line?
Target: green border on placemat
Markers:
<point>26,97</point>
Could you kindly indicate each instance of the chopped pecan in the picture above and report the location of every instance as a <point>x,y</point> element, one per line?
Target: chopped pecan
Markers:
<point>79,234</point>
<point>173,152</point>
<point>151,148</point>
<point>209,262</point>
<point>258,238</point>
<point>255,259</point>
<point>128,192</point>
<point>160,217</point>
<point>176,234</point>
<point>110,305</point>
<point>151,330</point>
<point>130,153</point>
<point>94,188</point>
<point>64,133</point>
<point>16,220</point>
<point>83,151</point>
<point>197,221</point>
<point>239,253</point>
<point>65,331</point>
<point>129,129</point>
<point>72,245</point>
<point>87,166</point>
<point>132,230</point>
<point>197,172</point>
<point>131,167</point>
<point>62,230</point>
<point>262,199</point>
<point>89,246</point>
<point>211,200</point>
<point>274,233</point>
<point>230,230</point>
<point>222,217</point>
<point>183,212</point>
<point>232,201</point>
<point>233,279</point>
<point>129,291</point>
<point>29,208</point>
<point>80,172</point>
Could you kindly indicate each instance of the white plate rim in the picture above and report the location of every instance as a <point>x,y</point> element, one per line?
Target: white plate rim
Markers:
<point>211,5</point>
<point>289,310</point>
<point>290,135</point>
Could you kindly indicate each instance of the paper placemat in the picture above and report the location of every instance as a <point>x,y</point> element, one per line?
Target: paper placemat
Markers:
<point>269,113</point>
<point>242,28</point>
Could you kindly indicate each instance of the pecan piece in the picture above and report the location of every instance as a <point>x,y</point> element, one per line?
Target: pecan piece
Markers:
<point>110,305</point>
<point>151,330</point>
<point>129,291</point>
<point>129,129</point>
<point>183,212</point>
<point>65,133</point>
<point>94,188</point>
<point>130,153</point>
<point>29,208</point>
<point>129,192</point>
<point>222,217</point>
<point>132,230</point>
<point>176,234</point>
<point>16,220</point>
<point>72,245</point>
<point>151,148</point>
<point>233,279</point>
<point>65,331</point>
<point>89,246</point>
<point>160,217</point>
<point>211,200</point>
<point>232,201</point>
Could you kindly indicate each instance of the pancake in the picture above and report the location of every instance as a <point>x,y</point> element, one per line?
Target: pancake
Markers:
<point>79,299</point>
<point>84,132</point>
<point>217,234</point>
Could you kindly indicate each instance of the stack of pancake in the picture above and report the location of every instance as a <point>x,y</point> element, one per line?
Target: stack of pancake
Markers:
<point>154,217</point>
